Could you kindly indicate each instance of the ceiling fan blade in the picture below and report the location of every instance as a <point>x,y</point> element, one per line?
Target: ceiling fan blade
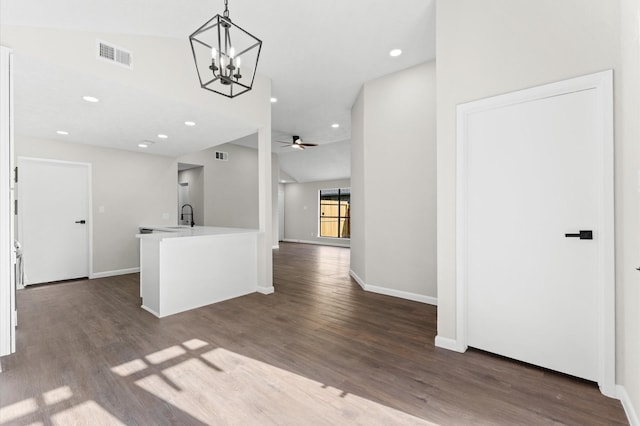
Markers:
<point>308,144</point>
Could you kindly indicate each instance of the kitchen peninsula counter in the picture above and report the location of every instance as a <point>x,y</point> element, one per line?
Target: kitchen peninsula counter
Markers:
<point>183,268</point>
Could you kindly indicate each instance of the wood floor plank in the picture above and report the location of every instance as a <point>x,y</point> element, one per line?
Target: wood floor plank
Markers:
<point>318,351</point>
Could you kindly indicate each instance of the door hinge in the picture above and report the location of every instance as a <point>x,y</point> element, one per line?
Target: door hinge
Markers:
<point>15,174</point>
<point>15,207</point>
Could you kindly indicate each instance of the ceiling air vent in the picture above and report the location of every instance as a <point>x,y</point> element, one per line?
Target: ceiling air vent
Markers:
<point>114,54</point>
<point>222,156</point>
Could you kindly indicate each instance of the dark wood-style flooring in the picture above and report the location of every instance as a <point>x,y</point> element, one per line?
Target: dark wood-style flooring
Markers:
<point>320,351</point>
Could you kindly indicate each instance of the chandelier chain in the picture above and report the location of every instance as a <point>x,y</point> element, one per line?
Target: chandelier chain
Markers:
<point>226,8</point>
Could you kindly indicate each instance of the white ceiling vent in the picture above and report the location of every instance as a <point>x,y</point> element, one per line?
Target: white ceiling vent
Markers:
<point>114,54</point>
<point>222,156</point>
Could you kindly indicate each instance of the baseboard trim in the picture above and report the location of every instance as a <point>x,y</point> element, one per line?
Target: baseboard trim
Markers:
<point>393,292</point>
<point>114,273</point>
<point>151,311</point>
<point>449,344</point>
<point>319,243</point>
<point>629,409</point>
<point>277,246</point>
<point>266,290</point>
<point>359,280</point>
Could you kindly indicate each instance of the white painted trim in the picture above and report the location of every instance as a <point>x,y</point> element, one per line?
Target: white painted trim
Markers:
<point>266,290</point>
<point>393,292</point>
<point>265,208</point>
<point>629,409</point>
<point>151,311</point>
<point>319,243</point>
<point>275,246</point>
<point>402,294</point>
<point>114,273</point>
<point>602,83</point>
<point>7,251</point>
<point>359,280</point>
<point>450,344</point>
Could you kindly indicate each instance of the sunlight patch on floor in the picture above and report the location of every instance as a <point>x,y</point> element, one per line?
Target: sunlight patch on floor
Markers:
<point>129,368</point>
<point>86,413</point>
<point>165,354</point>
<point>57,395</point>
<point>194,344</point>
<point>17,410</point>
<point>276,395</point>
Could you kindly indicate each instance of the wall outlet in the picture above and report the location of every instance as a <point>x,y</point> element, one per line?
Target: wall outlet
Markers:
<point>165,216</point>
<point>101,209</point>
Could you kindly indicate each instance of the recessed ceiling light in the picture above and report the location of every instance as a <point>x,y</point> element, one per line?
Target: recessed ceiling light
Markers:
<point>91,99</point>
<point>395,52</point>
<point>143,145</point>
<point>274,100</point>
<point>161,136</point>
<point>189,123</point>
<point>335,125</point>
<point>62,132</point>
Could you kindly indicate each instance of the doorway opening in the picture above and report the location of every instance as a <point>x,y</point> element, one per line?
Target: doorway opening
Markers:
<point>190,194</point>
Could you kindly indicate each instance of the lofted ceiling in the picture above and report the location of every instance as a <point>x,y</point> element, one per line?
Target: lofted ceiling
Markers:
<point>316,53</point>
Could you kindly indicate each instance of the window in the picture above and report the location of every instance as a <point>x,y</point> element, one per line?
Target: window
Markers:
<point>335,213</point>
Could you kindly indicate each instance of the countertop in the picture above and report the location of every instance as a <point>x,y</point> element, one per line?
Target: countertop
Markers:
<point>181,231</point>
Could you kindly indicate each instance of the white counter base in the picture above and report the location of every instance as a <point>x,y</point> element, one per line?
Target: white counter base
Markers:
<point>183,272</point>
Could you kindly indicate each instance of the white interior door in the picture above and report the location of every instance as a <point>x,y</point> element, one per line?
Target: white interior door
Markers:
<point>534,178</point>
<point>53,219</point>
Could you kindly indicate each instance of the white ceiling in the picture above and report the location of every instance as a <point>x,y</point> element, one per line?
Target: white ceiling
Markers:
<point>317,54</point>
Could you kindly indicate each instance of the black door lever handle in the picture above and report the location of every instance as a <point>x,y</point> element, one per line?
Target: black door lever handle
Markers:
<point>583,235</point>
<point>81,221</point>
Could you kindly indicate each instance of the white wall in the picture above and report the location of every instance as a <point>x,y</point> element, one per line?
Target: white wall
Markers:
<point>231,187</point>
<point>628,203</point>
<point>489,47</point>
<point>394,184</point>
<point>137,189</point>
<point>134,189</point>
<point>302,211</point>
<point>358,195</point>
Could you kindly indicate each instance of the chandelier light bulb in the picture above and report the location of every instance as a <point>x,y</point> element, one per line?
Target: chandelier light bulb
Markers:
<point>238,62</point>
<point>232,52</point>
<point>214,53</point>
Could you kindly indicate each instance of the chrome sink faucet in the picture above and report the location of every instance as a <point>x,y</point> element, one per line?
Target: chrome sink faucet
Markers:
<point>182,213</point>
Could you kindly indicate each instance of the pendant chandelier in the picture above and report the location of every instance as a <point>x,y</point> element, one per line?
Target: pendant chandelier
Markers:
<point>226,56</point>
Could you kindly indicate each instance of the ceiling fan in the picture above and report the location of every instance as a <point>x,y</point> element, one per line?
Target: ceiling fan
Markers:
<point>298,143</point>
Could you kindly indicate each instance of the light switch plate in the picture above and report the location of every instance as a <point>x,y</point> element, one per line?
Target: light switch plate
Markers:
<point>165,216</point>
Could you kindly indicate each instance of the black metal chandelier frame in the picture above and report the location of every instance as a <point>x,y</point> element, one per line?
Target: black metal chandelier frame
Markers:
<point>225,76</point>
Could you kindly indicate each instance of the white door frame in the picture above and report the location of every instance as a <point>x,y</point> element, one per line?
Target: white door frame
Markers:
<point>602,83</point>
<point>8,316</point>
<point>89,201</point>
